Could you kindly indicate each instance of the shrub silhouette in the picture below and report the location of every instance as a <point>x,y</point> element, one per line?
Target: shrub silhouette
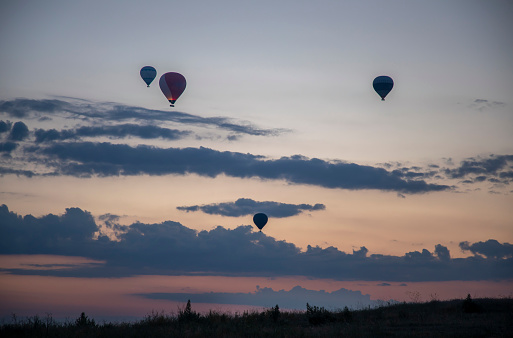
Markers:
<point>347,315</point>
<point>187,315</point>
<point>156,319</point>
<point>318,315</point>
<point>273,313</point>
<point>469,306</point>
<point>430,319</point>
<point>84,321</point>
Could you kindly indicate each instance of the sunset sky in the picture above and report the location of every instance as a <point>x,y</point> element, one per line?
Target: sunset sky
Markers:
<point>114,203</point>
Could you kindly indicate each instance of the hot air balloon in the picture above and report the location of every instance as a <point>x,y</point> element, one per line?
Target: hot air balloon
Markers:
<point>148,74</point>
<point>383,85</point>
<point>260,220</point>
<point>172,86</point>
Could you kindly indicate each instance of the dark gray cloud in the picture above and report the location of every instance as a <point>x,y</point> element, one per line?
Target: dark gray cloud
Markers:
<point>115,131</point>
<point>113,112</point>
<point>74,227</point>
<point>495,169</point>
<point>53,135</point>
<point>7,147</point>
<point>83,159</point>
<point>17,172</point>
<point>169,248</point>
<point>482,167</point>
<point>362,253</point>
<point>483,104</point>
<point>247,206</point>
<point>442,252</point>
<point>5,126</point>
<point>27,107</point>
<point>19,131</point>
<point>506,174</point>
<point>414,173</point>
<point>491,249</point>
<point>74,157</point>
<point>296,298</point>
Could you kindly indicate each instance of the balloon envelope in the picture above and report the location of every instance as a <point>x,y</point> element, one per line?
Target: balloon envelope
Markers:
<point>172,86</point>
<point>260,220</point>
<point>148,74</point>
<point>383,85</point>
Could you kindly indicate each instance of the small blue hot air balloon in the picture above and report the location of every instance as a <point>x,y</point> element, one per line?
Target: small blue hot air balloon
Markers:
<point>383,85</point>
<point>148,74</point>
<point>260,220</point>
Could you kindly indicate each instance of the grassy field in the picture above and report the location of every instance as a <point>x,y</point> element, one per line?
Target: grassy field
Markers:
<point>455,318</point>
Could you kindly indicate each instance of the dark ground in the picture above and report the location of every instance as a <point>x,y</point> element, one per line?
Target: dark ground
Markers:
<point>455,318</point>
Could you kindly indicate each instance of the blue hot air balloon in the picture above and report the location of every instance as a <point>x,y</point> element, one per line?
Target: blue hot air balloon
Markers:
<point>260,220</point>
<point>148,74</point>
<point>383,85</point>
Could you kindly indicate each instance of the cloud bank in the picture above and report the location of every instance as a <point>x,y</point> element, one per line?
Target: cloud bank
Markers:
<point>64,152</point>
<point>483,104</point>
<point>117,131</point>
<point>247,206</point>
<point>490,248</point>
<point>85,110</point>
<point>493,167</point>
<point>84,159</point>
<point>296,298</point>
<point>170,248</point>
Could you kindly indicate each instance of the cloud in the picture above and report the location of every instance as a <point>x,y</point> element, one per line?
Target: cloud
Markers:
<point>26,107</point>
<point>442,252</point>
<point>506,174</point>
<point>362,253</point>
<point>46,262</point>
<point>5,126</point>
<point>117,131</point>
<point>7,147</point>
<point>170,248</point>
<point>413,173</point>
<point>75,227</point>
<point>17,172</point>
<point>114,112</point>
<point>60,149</point>
<point>19,131</point>
<point>247,206</point>
<point>296,298</point>
<point>482,104</point>
<point>491,249</point>
<point>84,159</point>
<point>495,169</point>
<point>479,166</point>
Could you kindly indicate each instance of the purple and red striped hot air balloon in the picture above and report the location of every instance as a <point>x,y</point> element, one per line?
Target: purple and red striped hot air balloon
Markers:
<point>172,86</point>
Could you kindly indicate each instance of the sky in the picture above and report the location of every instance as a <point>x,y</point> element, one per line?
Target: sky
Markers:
<point>114,203</point>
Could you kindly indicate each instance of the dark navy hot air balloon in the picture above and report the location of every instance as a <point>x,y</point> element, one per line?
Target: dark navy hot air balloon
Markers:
<point>172,86</point>
<point>383,85</point>
<point>260,220</point>
<point>148,74</point>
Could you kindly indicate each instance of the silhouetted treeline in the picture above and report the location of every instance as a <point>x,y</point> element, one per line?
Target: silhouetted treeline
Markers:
<point>457,318</point>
